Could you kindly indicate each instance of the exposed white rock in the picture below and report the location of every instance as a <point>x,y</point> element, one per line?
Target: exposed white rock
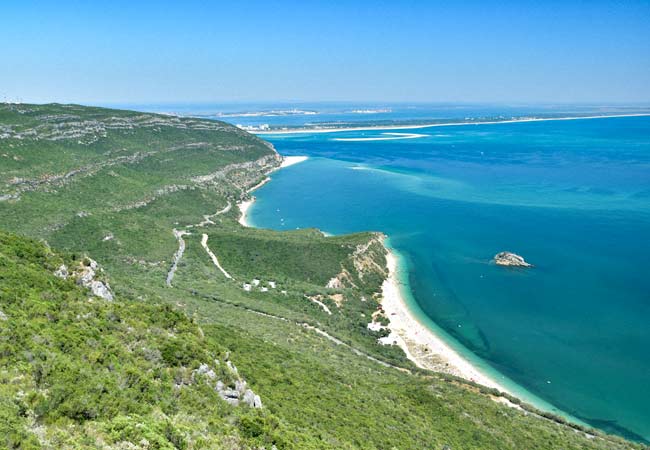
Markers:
<point>229,395</point>
<point>231,366</point>
<point>101,289</point>
<point>272,284</point>
<point>240,386</point>
<point>87,273</point>
<point>510,259</point>
<point>247,287</point>
<point>252,400</point>
<point>62,272</point>
<point>334,283</point>
<point>240,393</point>
<point>205,370</point>
<point>3,316</point>
<point>85,276</point>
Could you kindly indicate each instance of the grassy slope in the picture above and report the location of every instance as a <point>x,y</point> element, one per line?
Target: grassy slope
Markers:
<point>136,180</point>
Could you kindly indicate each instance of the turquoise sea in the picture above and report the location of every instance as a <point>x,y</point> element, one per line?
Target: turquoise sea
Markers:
<point>572,197</point>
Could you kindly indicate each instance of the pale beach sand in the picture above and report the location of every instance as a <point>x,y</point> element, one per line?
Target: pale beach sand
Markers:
<point>291,160</point>
<point>432,125</point>
<point>386,137</point>
<point>244,206</point>
<point>243,209</point>
<point>421,345</point>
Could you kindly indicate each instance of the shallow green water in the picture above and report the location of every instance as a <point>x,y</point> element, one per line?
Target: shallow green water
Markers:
<point>572,197</point>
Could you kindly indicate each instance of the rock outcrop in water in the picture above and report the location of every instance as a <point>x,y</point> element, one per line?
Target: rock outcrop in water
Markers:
<point>510,259</point>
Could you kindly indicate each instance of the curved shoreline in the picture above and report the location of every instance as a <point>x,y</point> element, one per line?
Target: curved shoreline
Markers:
<point>432,125</point>
<point>407,331</point>
<point>245,205</point>
<point>422,346</point>
<point>413,335</point>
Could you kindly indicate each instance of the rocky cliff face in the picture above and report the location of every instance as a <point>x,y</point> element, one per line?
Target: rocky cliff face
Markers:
<point>85,142</point>
<point>243,175</point>
<point>367,261</point>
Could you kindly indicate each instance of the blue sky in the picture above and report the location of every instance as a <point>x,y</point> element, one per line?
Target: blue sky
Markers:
<point>186,51</point>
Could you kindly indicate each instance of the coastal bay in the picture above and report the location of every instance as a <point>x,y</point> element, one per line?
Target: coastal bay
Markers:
<point>325,226</point>
<point>451,201</point>
<point>146,244</point>
<point>420,344</point>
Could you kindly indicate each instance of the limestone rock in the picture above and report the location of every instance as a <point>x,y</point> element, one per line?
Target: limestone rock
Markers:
<point>85,276</point>
<point>205,370</point>
<point>101,289</point>
<point>61,272</point>
<point>510,259</point>
<point>334,283</point>
<point>240,386</point>
<point>252,400</point>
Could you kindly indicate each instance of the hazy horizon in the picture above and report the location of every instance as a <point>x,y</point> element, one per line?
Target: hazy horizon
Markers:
<point>163,52</point>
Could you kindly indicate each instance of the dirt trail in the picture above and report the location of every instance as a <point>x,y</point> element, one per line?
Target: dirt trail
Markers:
<point>178,255</point>
<point>204,243</point>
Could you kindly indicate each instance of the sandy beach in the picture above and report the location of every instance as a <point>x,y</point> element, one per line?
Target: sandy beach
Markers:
<point>243,209</point>
<point>432,125</point>
<point>244,206</point>
<point>291,160</point>
<point>385,137</point>
<point>421,345</point>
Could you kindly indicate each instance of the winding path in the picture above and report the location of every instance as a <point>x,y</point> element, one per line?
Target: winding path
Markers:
<point>310,327</point>
<point>207,220</point>
<point>178,255</point>
<point>204,243</point>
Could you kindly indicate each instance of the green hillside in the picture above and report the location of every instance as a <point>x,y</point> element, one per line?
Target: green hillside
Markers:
<point>178,351</point>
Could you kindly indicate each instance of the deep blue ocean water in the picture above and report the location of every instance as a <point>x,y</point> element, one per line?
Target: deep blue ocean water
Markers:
<point>572,197</point>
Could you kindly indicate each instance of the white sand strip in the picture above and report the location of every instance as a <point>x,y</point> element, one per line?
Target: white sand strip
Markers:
<point>421,345</point>
<point>431,125</point>
<point>243,209</point>
<point>387,137</point>
<point>204,244</point>
<point>244,206</point>
<point>291,160</point>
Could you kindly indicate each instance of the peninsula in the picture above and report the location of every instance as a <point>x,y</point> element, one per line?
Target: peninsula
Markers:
<point>197,332</point>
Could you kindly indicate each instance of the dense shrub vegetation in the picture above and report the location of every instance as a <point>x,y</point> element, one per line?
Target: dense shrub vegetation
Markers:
<point>78,371</point>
